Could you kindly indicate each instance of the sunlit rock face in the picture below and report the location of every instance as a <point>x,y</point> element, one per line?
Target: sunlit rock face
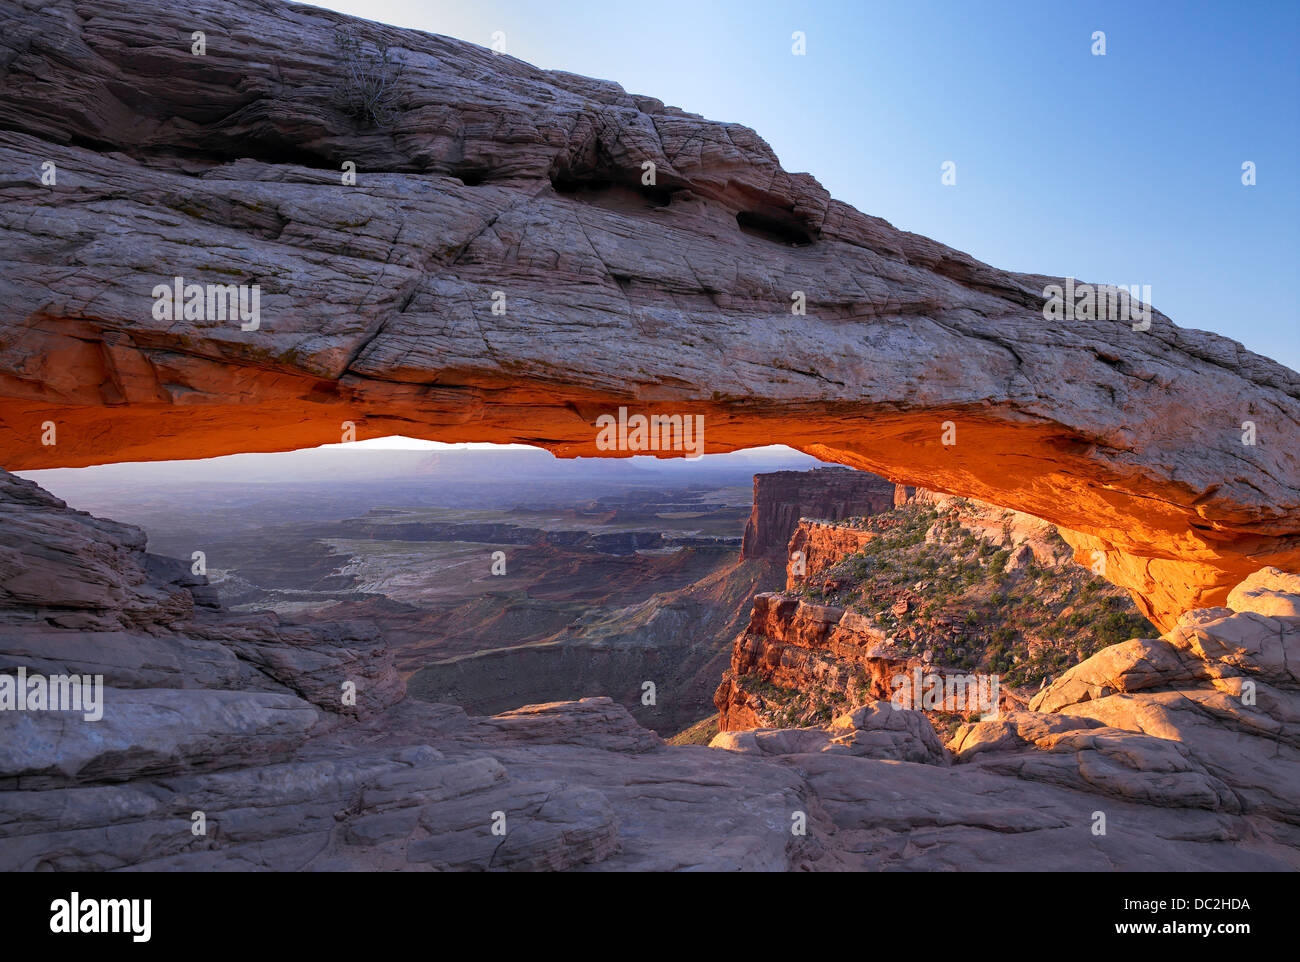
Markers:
<point>503,269</point>
<point>781,498</point>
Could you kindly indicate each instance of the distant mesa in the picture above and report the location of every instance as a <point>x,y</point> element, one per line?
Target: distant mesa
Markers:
<point>781,498</point>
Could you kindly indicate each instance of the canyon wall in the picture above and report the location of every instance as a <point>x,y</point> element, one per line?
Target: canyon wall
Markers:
<point>815,546</point>
<point>781,498</point>
<point>679,639</point>
<point>825,640</point>
<point>836,656</point>
<point>796,644</point>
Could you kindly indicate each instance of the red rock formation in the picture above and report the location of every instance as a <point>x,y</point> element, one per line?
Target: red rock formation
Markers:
<point>797,644</point>
<point>820,546</point>
<point>1000,525</point>
<point>781,498</point>
<point>377,299</point>
<point>809,647</point>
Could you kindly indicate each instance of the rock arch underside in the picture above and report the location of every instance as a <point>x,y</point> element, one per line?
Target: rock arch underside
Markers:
<point>494,176</point>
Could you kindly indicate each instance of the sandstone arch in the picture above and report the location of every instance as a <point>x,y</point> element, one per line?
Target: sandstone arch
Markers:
<point>376,298</point>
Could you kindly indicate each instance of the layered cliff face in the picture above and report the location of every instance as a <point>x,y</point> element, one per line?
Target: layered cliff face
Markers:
<point>781,498</point>
<point>816,546</point>
<point>679,639</point>
<point>826,657</point>
<point>944,585</point>
<point>499,259</point>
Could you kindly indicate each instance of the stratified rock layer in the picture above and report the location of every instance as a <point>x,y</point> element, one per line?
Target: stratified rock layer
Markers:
<point>799,645</point>
<point>500,184</point>
<point>782,498</point>
<point>816,546</point>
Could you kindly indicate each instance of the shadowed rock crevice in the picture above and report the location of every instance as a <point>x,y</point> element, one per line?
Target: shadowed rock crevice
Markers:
<point>774,225</point>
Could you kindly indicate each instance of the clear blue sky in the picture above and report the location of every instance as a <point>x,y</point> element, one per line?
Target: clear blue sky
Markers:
<point>1122,169</point>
